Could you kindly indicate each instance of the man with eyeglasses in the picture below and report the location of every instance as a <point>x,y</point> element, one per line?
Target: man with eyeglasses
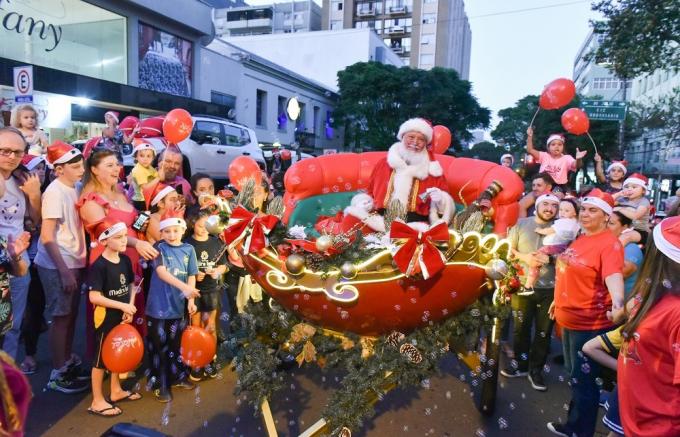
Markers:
<point>22,197</point>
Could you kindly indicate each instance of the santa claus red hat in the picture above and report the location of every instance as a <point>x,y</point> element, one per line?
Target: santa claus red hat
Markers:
<point>416,125</point>
<point>667,237</point>
<point>172,217</point>
<point>31,161</point>
<point>554,137</point>
<point>106,228</point>
<point>637,179</point>
<point>600,199</point>
<point>507,155</point>
<point>155,192</point>
<point>61,153</point>
<point>618,164</point>
<point>142,145</point>
<point>113,114</point>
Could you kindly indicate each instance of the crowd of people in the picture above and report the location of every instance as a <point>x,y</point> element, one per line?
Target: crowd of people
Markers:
<point>151,262</point>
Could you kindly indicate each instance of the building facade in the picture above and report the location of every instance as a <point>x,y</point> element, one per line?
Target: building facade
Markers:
<point>593,79</point>
<point>424,33</point>
<point>290,17</point>
<point>307,53</point>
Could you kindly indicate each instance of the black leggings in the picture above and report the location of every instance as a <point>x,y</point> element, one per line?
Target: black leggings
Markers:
<point>164,337</point>
<point>34,321</point>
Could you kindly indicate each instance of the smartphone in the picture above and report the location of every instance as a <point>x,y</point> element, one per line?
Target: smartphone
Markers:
<point>141,221</point>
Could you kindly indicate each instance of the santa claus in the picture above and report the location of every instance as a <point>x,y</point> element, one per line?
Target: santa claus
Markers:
<point>411,175</point>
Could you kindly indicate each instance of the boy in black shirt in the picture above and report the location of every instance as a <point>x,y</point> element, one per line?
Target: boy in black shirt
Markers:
<point>212,264</point>
<point>111,282</point>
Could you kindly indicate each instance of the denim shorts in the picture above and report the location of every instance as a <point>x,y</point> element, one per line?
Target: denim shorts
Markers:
<point>58,302</point>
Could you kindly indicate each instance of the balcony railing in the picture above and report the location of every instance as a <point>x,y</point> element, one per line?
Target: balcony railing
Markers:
<point>365,12</point>
<point>395,30</point>
<point>397,10</point>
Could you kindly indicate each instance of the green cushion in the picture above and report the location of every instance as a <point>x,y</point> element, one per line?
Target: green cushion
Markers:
<point>307,211</point>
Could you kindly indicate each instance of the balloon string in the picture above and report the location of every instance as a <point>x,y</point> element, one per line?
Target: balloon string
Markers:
<point>592,141</point>
<point>534,117</point>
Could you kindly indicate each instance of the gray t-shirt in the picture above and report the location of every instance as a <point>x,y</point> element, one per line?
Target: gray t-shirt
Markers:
<point>524,238</point>
<point>641,224</point>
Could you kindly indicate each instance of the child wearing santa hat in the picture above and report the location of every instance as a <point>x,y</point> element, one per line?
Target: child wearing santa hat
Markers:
<point>612,183</point>
<point>507,160</point>
<point>159,198</point>
<point>142,173</point>
<point>634,204</point>
<point>112,293</point>
<point>173,282</point>
<point>61,258</point>
<point>555,162</point>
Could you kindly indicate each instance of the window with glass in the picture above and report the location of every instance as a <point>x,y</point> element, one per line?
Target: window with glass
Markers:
<point>426,39</point>
<point>207,132</point>
<point>429,18</point>
<point>301,120</point>
<point>281,116</point>
<point>236,136</point>
<point>426,59</point>
<point>261,109</point>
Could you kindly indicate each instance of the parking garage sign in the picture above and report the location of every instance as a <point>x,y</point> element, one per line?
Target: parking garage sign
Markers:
<point>23,84</point>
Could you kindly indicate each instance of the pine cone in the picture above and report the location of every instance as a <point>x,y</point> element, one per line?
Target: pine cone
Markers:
<point>411,352</point>
<point>314,261</point>
<point>395,338</point>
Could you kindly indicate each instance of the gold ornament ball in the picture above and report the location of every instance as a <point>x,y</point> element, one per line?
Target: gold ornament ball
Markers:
<point>295,264</point>
<point>214,225</point>
<point>496,269</point>
<point>323,243</point>
<point>348,270</point>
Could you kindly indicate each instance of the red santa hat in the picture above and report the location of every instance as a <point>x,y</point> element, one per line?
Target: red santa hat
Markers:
<point>155,192</point>
<point>547,197</point>
<point>60,153</point>
<point>172,217</point>
<point>507,155</point>
<point>142,145</point>
<point>113,114</point>
<point>31,161</point>
<point>600,199</point>
<point>106,228</point>
<point>554,137</point>
<point>637,179</point>
<point>618,164</point>
<point>416,125</point>
<point>667,237</point>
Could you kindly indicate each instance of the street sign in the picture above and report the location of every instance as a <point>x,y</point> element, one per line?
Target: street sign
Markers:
<point>604,110</point>
<point>23,84</point>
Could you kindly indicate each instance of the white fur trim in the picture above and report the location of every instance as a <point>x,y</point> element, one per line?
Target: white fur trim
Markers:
<point>507,155</point>
<point>357,212</point>
<point>615,165</point>
<point>161,194</point>
<point>547,198</point>
<point>554,137</point>
<point>34,162</point>
<point>435,168</point>
<point>417,125</point>
<point>118,227</point>
<point>375,222</point>
<point>596,201</point>
<point>172,221</point>
<point>442,210</point>
<point>665,246</point>
<point>636,181</point>
<point>404,173</point>
<point>66,157</point>
<point>143,146</point>
<point>112,114</point>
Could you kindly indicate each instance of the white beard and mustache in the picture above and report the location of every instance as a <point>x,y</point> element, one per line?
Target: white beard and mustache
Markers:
<point>408,165</point>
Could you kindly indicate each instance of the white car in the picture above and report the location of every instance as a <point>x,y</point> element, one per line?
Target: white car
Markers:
<point>213,144</point>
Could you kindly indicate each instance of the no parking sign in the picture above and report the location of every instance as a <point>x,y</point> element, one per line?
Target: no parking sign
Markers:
<point>23,84</point>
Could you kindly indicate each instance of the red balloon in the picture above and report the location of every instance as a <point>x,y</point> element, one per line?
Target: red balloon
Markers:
<point>198,347</point>
<point>177,125</point>
<point>123,349</point>
<point>441,139</point>
<point>557,93</point>
<point>242,168</point>
<point>128,124</point>
<point>285,155</point>
<point>575,121</point>
<point>151,127</point>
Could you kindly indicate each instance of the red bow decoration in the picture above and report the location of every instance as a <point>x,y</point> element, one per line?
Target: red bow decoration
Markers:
<point>419,254</point>
<point>237,230</point>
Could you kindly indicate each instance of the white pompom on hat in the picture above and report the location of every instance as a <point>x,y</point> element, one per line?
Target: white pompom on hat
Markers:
<point>667,237</point>
<point>416,125</point>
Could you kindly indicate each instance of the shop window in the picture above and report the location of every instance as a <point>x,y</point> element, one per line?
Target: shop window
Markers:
<point>261,109</point>
<point>281,117</point>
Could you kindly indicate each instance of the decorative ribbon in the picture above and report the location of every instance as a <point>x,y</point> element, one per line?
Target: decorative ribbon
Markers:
<point>418,253</point>
<point>240,222</point>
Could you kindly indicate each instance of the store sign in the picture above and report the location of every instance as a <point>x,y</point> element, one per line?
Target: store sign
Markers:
<point>604,110</point>
<point>23,84</point>
<point>24,24</point>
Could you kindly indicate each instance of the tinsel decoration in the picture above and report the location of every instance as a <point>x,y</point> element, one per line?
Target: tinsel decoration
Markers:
<point>411,352</point>
<point>395,210</point>
<point>246,197</point>
<point>395,338</point>
<point>276,206</point>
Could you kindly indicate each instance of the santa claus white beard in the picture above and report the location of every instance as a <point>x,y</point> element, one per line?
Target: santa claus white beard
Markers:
<point>412,157</point>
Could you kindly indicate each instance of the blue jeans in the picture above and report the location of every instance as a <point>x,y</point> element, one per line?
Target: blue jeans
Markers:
<point>18,288</point>
<point>585,393</point>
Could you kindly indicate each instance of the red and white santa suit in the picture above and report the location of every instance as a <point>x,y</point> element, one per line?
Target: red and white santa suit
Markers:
<point>407,176</point>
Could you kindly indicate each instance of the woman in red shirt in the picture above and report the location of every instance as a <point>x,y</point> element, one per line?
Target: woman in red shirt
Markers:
<point>649,362</point>
<point>588,302</point>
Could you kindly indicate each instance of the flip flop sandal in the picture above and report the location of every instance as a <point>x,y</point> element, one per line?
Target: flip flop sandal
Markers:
<point>131,397</point>
<point>28,370</point>
<point>101,413</point>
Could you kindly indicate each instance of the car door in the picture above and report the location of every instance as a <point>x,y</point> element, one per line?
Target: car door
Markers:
<point>207,154</point>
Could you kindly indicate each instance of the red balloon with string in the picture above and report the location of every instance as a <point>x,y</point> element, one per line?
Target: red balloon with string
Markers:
<point>243,168</point>
<point>441,139</point>
<point>557,94</point>
<point>197,347</point>
<point>575,121</point>
<point>177,125</point>
<point>123,349</point>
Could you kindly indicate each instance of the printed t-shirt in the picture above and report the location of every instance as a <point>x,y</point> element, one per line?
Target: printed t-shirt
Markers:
<point>558,168</point>
<point>59,202</point>
<point>140,177</point>
<point>206,254</point>
<point>524,238</point>
<point>649,373</point>
<point>166,301</point>
<point>6,301</point>
<point>641,224</point>
<point>581,296</point>
<point>12,209</point>
<point>113,281</point>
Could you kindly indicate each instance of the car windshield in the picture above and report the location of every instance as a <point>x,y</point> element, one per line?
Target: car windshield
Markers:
<point>236,136</point>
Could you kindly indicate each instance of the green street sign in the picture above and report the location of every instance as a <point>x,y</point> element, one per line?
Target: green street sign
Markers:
<point>604,110</point>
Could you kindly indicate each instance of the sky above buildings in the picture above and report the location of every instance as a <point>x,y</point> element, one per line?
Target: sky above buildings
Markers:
<point>519,46</point>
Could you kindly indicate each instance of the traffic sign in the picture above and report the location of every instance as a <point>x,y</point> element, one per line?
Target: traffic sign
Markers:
<point>604,110</point>
<point>23,84</point>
